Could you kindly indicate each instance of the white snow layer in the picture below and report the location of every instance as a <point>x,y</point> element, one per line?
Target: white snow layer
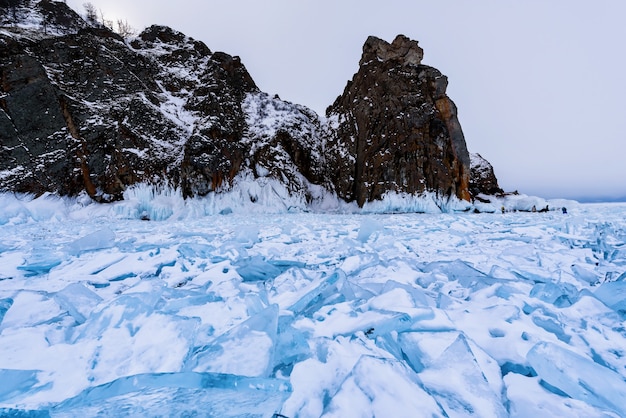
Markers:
<point>308,314</point>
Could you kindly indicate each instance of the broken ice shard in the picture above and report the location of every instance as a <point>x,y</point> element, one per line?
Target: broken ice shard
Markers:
<point>98,240</point>
<point>332,322</point>
<point>5,304</point>
<point>291,346</point>
<point>247,349</point>
<point>551,323</point>
<point>256,269</point>
<point>78,301</point>
<point>465,388</point>
<point>182,300</point>
<point>247,235</point>
<point>613,295</point>
<point>367,392</point>
<point>195,250</point>
<point>578,377</point>
<point>41,261</point>
<point>179,394</point>
<point>333,289</point>
<point>367,228</point>
<point>584,275</point>
<point>16,382</point>
<point>560,295</point>
<point>124,309</point>
<point>466,275</point>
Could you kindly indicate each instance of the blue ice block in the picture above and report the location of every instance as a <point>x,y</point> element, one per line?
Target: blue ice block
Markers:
<point>560,295</point>
<point>258,332</point>
<point>578,376</point>
<point>330,290</point>
<point>40,262</point>
<point>613,295</point>
<point>466,275</point>
<point>179,394</point>
<point>256,269</point>
<point>98,240</point>
<point>5,304</point>
<point>16,382</point>
<point>78,301</point>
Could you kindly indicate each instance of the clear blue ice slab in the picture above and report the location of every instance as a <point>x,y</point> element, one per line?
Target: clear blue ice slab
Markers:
<point>333,289</point>
<point>195,250</point>
<point>40,262</point>
<point>459,270</point>
<point>291,346</point>
<point>255,269</point>
<point>5,304</point>
<point>578,377</point>
<point>77,300</point>
<point>179,395</point>
<point>123,310</point>
<point>247,349</point>
<point>560,295</point>
<point>613,295</point>
<point>98,240</point>
<point>460,385</point>
<point>174,305</point>
<point>381,387</point>
<point>367,228</point>
<point>16,382</point>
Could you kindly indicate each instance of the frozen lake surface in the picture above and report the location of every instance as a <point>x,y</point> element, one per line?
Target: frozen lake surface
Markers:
<point>308,315</point>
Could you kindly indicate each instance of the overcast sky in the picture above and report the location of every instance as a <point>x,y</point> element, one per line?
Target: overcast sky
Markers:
<point>540,85</point>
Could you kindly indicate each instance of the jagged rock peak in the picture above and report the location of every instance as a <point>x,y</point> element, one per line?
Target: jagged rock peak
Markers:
<point>163,34</point>
<point>482,178</point>
<point>158,35</point>
<point>396,129</point>
<point>402,49</point>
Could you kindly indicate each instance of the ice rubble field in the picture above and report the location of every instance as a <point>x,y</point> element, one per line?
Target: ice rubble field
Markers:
<point>308,315</point>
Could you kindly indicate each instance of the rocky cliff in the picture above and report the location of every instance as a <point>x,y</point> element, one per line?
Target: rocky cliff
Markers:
<point>87,111</point>
<point>83,110</point>
<point>396,130</point>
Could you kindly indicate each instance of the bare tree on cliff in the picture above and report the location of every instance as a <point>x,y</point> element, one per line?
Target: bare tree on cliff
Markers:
<point>124,29</point>
<point>91,15</point>
<point>107,23</point>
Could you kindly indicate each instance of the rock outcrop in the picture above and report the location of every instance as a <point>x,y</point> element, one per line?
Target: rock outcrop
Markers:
<point>86,111</point>
<point>396,130</point>
<point>83,110</point>
<point>482,179</point>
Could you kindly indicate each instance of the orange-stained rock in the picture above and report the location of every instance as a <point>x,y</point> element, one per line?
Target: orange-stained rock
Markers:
<point>396,128</point>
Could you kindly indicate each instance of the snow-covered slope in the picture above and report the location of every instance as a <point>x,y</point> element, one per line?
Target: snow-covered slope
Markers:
<point>308,315</point>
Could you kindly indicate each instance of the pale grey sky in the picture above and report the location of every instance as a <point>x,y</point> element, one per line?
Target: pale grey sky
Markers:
<point>539,85</point>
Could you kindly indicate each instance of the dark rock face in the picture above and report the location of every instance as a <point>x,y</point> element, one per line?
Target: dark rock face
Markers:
<point>87,112</point>
<point>212,88</point>
<point>482,179</point>
<point>396,130</point>
<point>83,110</point>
